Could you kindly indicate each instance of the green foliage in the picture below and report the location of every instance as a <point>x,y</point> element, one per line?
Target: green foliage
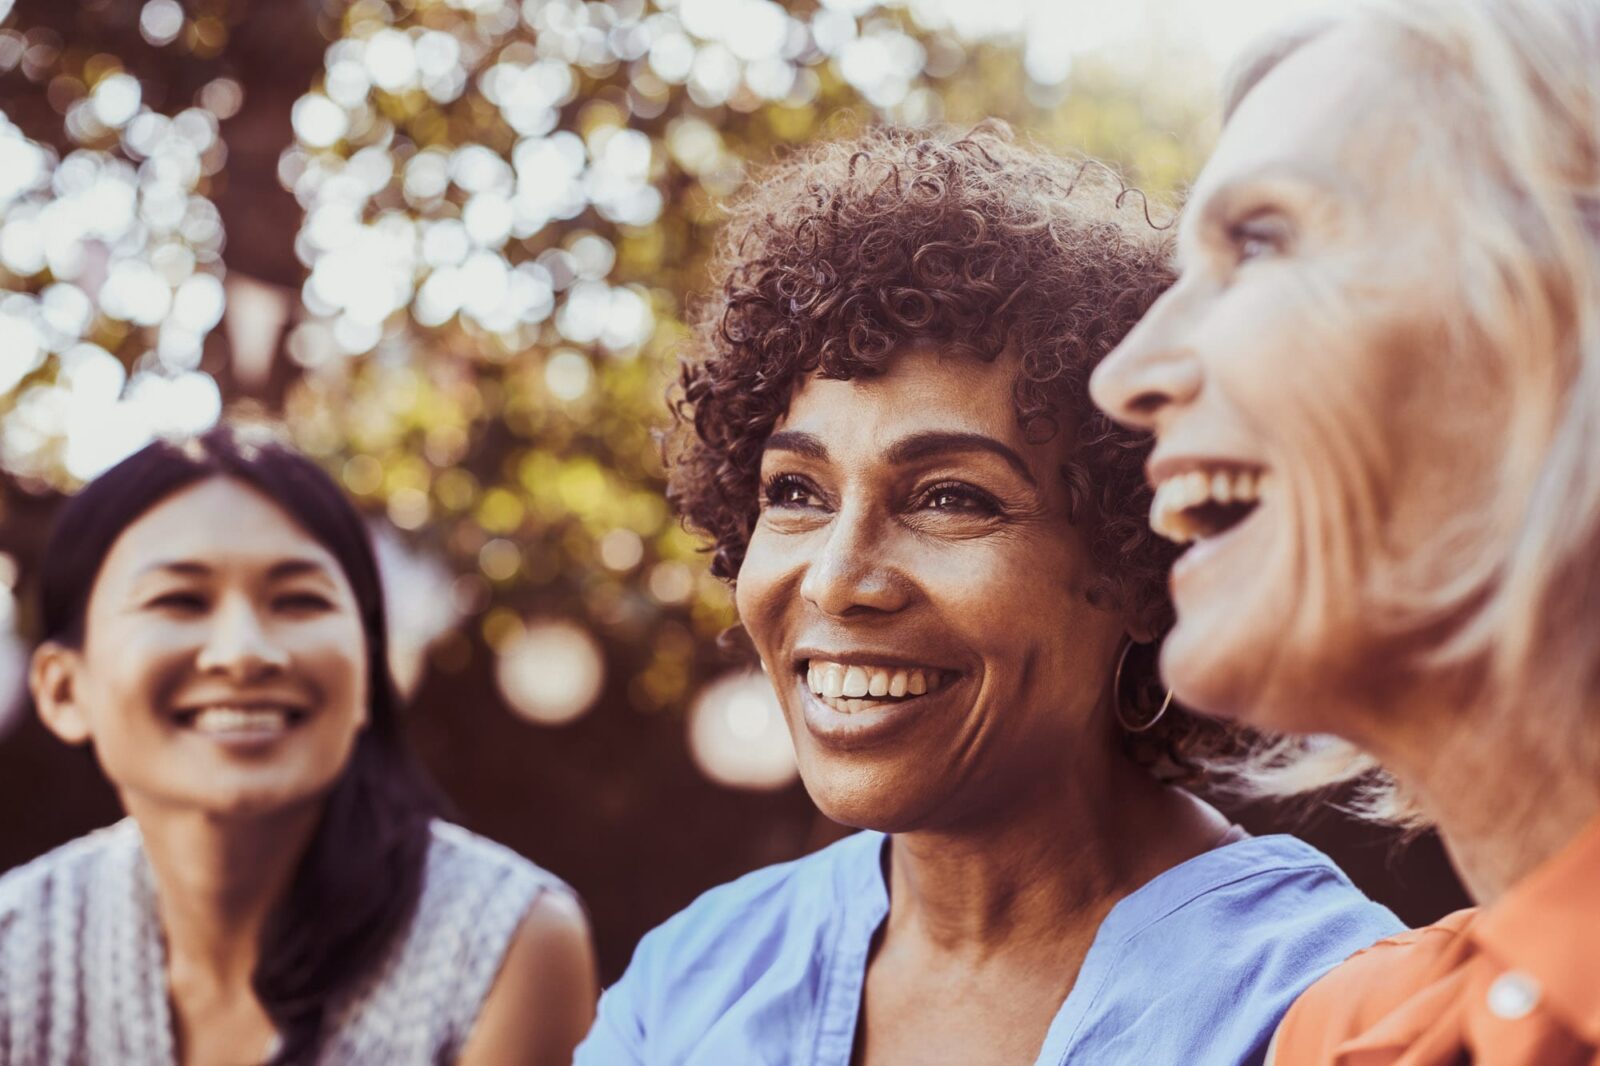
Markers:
<point>505,210</point>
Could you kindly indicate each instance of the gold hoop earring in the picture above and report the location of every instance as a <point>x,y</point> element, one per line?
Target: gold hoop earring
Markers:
<point>1140,720</point>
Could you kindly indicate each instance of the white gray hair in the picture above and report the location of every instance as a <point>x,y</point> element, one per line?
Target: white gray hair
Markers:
<point>1512,91</point>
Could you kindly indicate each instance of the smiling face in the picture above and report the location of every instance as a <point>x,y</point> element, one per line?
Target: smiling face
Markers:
<point>224,664</point>
<point>1319,442</point>
<point>918,596</point>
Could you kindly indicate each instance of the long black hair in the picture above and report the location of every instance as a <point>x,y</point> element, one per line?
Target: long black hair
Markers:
<point>357,884</point>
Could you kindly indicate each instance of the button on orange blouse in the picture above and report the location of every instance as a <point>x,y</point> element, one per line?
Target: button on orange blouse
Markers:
<point>1516,983</point>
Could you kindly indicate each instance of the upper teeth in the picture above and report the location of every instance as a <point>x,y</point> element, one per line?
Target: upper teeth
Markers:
<point>838,681</point>
<point>240,719</point>
<point>1182,492</point>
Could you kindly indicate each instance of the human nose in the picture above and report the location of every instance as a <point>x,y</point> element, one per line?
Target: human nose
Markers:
<point>238,645</point>
<point>852,572</point>
<point>1151,372</point>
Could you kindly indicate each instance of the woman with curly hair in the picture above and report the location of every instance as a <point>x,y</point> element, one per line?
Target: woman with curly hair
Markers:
<point>938,551</point>
<point>1390,313</point>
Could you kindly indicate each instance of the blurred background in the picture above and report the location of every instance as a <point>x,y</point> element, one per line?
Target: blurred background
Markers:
<point>450,244</point>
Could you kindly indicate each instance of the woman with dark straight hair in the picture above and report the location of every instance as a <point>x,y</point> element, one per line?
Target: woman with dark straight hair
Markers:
<point>213,625</point>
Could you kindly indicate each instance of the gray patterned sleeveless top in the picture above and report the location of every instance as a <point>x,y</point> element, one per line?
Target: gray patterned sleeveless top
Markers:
<point>83,968</point>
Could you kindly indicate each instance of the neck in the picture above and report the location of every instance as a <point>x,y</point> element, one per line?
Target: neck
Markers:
<point>217,882</point>
<point>1048,858</point>
<point>1505,792</point>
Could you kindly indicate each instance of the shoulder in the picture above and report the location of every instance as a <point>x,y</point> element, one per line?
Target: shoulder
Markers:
<point>472,883</point>
<point>1272,887</point>
<point>458,855</point>
<point>1359,992</point>
<point>57,876</point>
<point>542,1000</point>
<point>71,966</point>
<point>743,916</point>
<point>1230,938</point>
<point>1274,907</point>
<point>550,947</point>
<point>759,940</point>
<point>555,926</point>
<point>484,912</point>
<point>476,894</point>
<point>58,916</point>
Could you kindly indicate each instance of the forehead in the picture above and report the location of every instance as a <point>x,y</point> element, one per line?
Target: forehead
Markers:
<point>219,522</point>
<point>922,386</point>
<point>1320,118</point>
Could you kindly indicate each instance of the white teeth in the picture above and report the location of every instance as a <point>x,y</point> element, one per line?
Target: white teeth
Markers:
<point>1182,492</point>
<point>223,720</point>
<point>850,688</point>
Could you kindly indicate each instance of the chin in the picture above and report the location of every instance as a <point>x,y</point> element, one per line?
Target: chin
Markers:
<point>1209,677</point>
<point>861,796</point>
<point>262,798</point>
<point>1262,680</point>
<point>251,804</point>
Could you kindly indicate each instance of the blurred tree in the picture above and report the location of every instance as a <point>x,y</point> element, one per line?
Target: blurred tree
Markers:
<point>460,239</point>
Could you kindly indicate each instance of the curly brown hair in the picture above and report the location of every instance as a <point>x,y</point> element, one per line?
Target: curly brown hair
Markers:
<point>838,258</point>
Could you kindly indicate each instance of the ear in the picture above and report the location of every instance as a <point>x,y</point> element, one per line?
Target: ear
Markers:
<point>53,680</point>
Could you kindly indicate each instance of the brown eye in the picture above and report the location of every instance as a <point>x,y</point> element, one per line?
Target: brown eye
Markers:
<point>179,602</point>
<point>302,602</point>
<point>957,497</point>
<point>788,490</point>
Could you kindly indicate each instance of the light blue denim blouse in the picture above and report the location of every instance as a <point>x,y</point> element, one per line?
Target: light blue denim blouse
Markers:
<point>1196,967</point>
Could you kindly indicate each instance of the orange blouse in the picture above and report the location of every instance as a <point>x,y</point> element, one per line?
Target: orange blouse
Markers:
<point>1516,983</point>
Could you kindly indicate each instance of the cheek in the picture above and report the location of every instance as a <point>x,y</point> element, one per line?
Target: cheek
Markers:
<point>1024,599</point>
<point>333,657</point>
<point>136,666</point>
<point>766,582</point>
<point>1290,344</point>
<point>1344,393</point>
<point>1311,372</point>
<point>989,588</point>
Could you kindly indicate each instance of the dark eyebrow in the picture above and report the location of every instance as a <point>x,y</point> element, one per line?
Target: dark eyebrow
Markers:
<point>180,567</point>
<point>296,568</point>
<point>940,442</point>
<point>909,449</point>
<point>277,572</point>
<point>792,440</point>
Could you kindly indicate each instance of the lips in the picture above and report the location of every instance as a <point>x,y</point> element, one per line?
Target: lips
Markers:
<point>895,695</point>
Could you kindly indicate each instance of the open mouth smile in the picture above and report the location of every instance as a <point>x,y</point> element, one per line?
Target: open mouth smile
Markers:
<point>852,688</point>
<point>1206,502</point>
<point>240,721</point>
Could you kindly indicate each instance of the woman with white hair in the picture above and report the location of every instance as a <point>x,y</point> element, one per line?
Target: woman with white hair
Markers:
<point>1389,316</point>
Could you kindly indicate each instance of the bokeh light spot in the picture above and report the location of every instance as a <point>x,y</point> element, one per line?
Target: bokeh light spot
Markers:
<point>737,734</point>
<point>551,672</point>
